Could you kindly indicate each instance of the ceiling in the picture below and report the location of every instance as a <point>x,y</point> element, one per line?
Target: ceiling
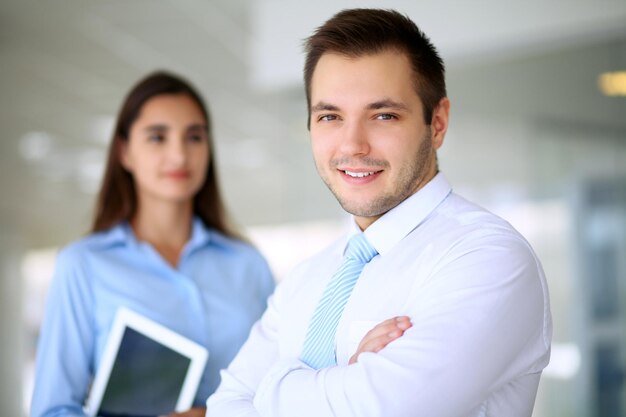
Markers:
<point>67,64</point>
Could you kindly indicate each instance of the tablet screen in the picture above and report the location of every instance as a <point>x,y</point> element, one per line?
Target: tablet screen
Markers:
<point>146,369</point>
<point>146,378</point>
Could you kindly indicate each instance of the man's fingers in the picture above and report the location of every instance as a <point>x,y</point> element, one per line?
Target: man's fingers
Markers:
<point>381,335</point>
<point>388,326</point>
<point>374,344</point>
<point>403,322</point>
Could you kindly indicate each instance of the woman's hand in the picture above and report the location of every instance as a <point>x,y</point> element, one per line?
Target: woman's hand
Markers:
<point>193,412</point>
<point>381,335</point>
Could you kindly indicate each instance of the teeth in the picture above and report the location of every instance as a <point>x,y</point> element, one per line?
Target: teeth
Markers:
<point>358,174</point>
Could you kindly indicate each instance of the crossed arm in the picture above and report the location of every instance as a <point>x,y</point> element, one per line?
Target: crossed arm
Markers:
<point>381,335</point>
<point>373,341</point>
<point>376,339</point>
<point>454,354</point>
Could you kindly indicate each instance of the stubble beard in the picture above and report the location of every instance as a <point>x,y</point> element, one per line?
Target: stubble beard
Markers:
<point>410,177</point>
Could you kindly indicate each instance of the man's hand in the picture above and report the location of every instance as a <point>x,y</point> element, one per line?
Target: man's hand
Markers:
<point>193,412</point>
<point>381,335</point>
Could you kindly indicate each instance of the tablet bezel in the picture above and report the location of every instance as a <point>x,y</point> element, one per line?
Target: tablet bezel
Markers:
<point>126,318</point>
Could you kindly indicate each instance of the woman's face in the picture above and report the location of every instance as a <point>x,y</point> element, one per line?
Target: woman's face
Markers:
<point>167,151</point>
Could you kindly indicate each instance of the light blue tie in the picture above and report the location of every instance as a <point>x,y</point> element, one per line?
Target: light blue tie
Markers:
<point>319,344</point>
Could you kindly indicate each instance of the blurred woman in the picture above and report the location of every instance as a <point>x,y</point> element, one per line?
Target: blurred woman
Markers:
<point>160,245</point>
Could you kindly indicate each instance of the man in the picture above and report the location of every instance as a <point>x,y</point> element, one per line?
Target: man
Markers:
<point>471,286</point>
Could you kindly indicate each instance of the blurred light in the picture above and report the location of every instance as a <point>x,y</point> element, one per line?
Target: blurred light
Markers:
<point>276,242</point>
<point>247,153</point>
<point>35,146</point>
<point>564,361</point>
<point>101,129</point>
<point>536,219</point>
<point>89,169</point>
<point>37,268</point>
<point>613,83</point>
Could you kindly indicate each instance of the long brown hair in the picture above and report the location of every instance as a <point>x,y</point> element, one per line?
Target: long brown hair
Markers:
<point>359,32</point>
<point>117,199</point>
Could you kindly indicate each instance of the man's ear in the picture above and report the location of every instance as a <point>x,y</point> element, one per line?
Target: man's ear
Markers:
<point>439,122</point>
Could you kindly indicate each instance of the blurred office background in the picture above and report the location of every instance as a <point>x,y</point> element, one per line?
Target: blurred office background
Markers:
<point>536,135</point>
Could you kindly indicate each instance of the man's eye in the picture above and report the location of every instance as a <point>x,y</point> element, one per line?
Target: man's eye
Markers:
<point>327,118</point>
<point>386,116</point>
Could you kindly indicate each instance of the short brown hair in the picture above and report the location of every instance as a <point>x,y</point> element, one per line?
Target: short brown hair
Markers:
<point>117,198</point>
<point>358,32</point>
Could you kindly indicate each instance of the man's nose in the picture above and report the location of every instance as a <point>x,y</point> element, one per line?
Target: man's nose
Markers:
<point>354,139</point>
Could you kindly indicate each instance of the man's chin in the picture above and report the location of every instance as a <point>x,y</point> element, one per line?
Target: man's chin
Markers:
<point>362,209</point>
<point>373,207</point>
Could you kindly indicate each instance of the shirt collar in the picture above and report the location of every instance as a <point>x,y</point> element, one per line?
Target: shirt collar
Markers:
<point>116,235</point>
<point>200,234</point>
<point>122,234</point>
<point>398,222</point>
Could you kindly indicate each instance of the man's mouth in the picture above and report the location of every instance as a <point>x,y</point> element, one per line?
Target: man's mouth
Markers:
<point>354,174</point>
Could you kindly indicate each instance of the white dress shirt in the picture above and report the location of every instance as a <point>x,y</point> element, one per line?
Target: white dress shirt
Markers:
<point>476,296</point>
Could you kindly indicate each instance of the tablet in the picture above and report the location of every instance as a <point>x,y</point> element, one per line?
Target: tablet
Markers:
<point>146,370</point>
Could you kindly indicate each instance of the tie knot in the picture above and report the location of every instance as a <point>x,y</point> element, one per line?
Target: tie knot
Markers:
<point>360,249</point>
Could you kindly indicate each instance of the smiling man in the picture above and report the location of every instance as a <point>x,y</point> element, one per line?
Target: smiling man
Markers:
<point>431,306</point>
<point>371,144</point>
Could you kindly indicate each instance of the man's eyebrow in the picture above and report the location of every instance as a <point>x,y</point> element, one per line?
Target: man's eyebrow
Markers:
<point>323,106</point>
<point>377,105</point>
<point>387,104</point>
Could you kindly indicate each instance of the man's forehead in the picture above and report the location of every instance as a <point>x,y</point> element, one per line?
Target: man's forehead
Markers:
<point>365,82</point>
